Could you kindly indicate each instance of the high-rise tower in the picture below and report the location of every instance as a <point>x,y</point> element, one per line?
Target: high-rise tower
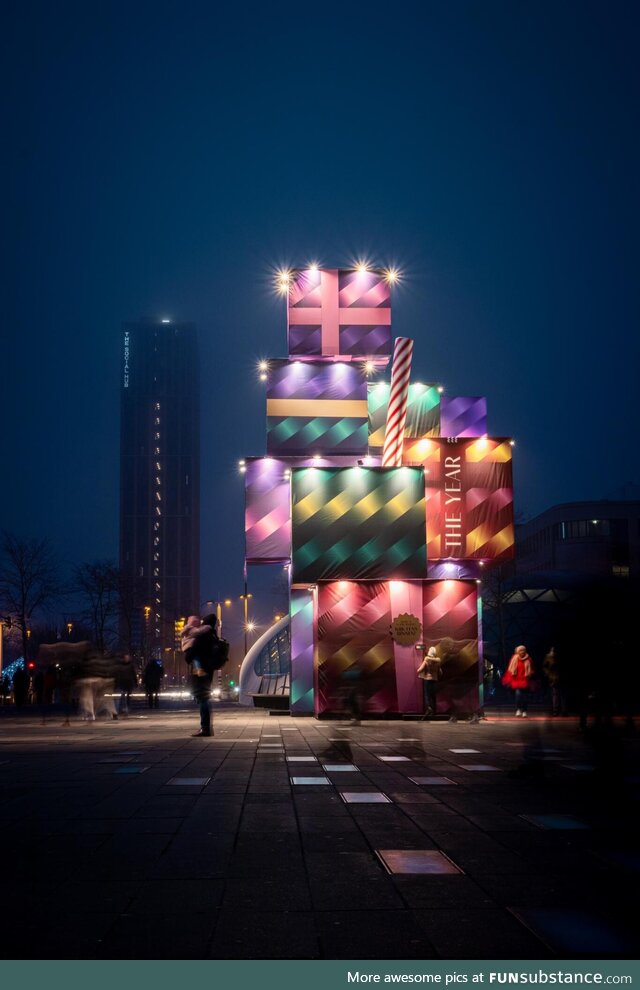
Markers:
<point>160,479</point>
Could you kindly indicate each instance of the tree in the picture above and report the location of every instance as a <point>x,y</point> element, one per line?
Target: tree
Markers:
<point>496,590</point>
<point>29,580</point>
<point>97,583</point>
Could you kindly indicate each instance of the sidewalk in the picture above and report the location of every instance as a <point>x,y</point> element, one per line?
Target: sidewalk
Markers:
<point>291,838</point>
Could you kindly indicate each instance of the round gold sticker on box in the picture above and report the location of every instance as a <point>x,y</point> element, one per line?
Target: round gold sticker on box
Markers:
<point>406,629</point>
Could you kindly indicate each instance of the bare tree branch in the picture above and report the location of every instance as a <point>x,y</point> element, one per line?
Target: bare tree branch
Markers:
<point>29,580</point>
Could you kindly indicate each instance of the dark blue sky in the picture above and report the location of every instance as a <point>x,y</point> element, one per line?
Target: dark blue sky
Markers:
<point>161,158</point>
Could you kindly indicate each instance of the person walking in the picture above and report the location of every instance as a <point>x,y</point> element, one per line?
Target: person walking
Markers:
<point>153,674</point>
<point>518,677</point>
<point>126,681</point>
<point>430,672</point>
<point>551,670</point>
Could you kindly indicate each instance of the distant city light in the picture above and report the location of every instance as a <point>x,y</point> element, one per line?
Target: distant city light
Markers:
<point>166,321</point>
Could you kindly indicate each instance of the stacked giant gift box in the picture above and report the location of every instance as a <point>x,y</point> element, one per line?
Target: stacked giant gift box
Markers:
<point>365,543</point>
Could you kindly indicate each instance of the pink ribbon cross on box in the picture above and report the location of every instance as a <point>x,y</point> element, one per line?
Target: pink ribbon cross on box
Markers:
<point>324,302</point>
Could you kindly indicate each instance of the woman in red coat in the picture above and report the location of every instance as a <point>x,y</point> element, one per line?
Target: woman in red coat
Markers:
<point>518,677</point>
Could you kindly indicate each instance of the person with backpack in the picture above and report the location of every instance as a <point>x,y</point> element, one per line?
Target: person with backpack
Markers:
<point>205,653</point>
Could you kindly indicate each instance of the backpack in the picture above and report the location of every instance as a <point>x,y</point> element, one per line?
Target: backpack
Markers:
<point>220,654</point>
<point>211,651</point>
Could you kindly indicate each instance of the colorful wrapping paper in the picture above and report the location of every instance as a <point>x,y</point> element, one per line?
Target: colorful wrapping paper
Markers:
<point>357,523</point>
<point>463,416</point>
<point>354,646</point>
<point>268,504</point>
<point>450,617</point>
<point>316,408</point>
<point>469,493</point>
<point>302,610</point>
<point>339,313</point>
<point>423,412</point>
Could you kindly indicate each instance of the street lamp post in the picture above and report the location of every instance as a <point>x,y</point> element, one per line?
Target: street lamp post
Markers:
<point>245,599</point>
<point>219,602</point>
<point>218,605</point>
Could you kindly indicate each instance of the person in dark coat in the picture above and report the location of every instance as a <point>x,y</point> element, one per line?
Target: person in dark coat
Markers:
<point>200,657</point>
<point>126,681</point>
<point>153,674</point>
<point>20,687</point>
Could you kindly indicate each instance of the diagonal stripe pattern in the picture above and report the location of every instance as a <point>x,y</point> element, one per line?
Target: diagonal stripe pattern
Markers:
<point>342,313</point>
<point>397,411</point>
<point>423,412</point>
<point>354,646</point>
<point>316,407</point>
<point>463,416</point>
<point>364,523</point>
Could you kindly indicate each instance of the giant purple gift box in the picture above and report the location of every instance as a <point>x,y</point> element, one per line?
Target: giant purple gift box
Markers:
<point>463,416</point>
<point>316,407</point>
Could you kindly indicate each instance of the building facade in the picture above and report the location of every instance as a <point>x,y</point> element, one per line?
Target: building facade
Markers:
<point>159,481</point>
<point>599,539</point>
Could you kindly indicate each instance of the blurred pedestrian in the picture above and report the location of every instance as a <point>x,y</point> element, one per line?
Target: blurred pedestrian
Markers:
<point>152,676</point>
<point>430,672</point>
<point>519,677</point>
<point>126,681</point>
<point>553,674</point>
<point>20,687</point>
<point>351,689</point>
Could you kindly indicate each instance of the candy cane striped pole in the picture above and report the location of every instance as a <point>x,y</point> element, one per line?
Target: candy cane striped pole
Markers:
<point>397,409</point>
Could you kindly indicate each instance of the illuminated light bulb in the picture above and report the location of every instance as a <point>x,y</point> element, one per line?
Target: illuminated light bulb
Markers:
<point>283,280</point>
<point>440,389</point>
<point>392,275</point>
<point>263,376</point>
<point>316,458</point>
<point>242,468</point>
<point>362,267</point>
<point>369,367</point>
<point>314,267</point>
<point>512,443</point>
<point>241,462</point>
<point>263,366</point>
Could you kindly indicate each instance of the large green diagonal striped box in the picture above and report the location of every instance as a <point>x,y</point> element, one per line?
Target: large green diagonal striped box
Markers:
<point>358,523</point>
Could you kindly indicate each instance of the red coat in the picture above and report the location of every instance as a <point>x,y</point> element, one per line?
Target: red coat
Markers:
<point>519,672</point>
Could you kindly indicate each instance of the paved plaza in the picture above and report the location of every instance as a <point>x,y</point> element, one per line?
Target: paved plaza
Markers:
<point>292,838</point>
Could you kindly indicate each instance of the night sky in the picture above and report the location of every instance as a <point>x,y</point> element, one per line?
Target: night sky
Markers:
<point>160,159</point>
